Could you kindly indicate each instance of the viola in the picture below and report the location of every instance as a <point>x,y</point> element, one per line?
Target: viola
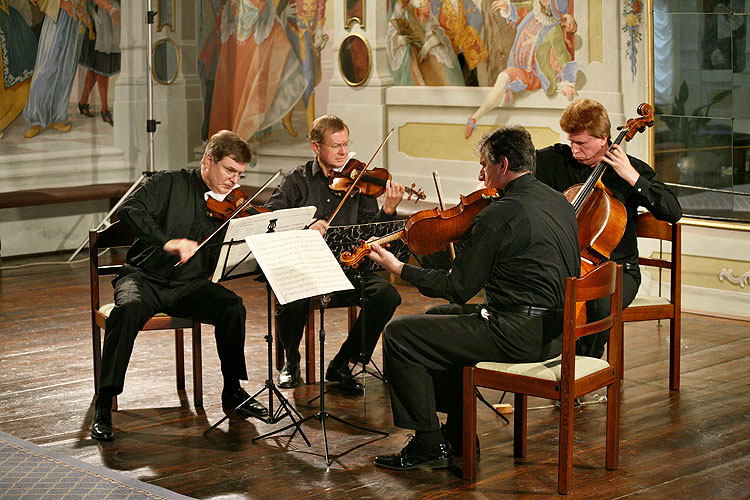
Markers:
<point>226,209</point>
<point>429,231</point>
<point>601,217</point>
<point>372,183</point>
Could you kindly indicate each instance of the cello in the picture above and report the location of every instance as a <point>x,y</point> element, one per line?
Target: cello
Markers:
<point>601,217</point>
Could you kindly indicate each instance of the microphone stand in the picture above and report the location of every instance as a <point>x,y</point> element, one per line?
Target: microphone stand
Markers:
<point>150,129</point>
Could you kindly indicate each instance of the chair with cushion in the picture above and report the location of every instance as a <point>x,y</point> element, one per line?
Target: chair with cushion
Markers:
<point>115,236</point>
<point>645,308</point>
<point>561,379</point>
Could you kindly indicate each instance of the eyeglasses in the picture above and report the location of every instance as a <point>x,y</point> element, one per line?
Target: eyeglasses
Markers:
<point>230,172</point>
<point>337,147</point>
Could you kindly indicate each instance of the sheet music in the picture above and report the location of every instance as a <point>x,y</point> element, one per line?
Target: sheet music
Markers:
<point>235,259</point>
<point>298,264</point>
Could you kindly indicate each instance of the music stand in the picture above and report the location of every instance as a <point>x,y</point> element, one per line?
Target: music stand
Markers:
<point>316,274</point>
<point>241,265</point>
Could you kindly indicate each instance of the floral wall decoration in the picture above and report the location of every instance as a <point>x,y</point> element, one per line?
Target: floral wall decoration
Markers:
<point>633,13</point>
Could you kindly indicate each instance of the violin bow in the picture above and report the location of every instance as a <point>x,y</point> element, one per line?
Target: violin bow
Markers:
<point>439,190</point>
<point>234,214</point>
<point>354,184</point>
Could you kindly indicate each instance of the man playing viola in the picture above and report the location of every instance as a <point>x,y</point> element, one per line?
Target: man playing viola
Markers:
<point>519,249</point>
<point>307,185</point>
<point>168,216</point>
<point>630,181</point>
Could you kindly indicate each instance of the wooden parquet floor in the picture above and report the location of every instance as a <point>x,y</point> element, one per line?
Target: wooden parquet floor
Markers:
<point>694,443</point>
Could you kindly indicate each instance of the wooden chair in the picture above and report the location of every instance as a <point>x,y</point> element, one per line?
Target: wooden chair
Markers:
<point>310,339</point>
<point>645,308</point>
<point>114,236</point>
<point>562,379</point>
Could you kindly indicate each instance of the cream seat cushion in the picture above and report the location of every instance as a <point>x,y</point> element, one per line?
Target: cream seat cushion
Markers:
<point>547,370</point>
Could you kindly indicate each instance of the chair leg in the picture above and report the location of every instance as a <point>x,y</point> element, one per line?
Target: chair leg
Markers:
<point>520,401</point>
<point>469,443</point>
<point>197,367</point>
<point>675,342</point>
<point>613,425</point>
<point>179,354</point>
<point>96,341</point>
<point>565,458</point>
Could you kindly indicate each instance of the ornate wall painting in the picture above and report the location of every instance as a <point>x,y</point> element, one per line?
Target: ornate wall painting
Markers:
<point>354,13</point>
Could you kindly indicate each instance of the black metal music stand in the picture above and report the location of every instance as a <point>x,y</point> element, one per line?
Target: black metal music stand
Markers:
<point>321,415</point>
<point>285,409</point>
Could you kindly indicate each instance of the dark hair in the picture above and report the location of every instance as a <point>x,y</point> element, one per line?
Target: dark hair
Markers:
<point>586,115</point>
<point>325,123</point>
<point>513,143</point>
<point>226,143</point>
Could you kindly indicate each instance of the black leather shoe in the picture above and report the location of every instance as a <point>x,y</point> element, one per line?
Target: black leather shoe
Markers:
<point>456,442</point>
<point>289,376</point>
<point>101,427</point>
<point>252,408</point>
<point>343,375</point>
<point>415,455</point>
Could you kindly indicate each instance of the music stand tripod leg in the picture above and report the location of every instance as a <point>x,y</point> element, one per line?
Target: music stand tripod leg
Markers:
<point>321,415</point>
<point>285,407</point>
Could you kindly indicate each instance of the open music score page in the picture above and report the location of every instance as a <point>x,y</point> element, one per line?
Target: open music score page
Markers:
<point>298,264</point>
<point>235,259</point>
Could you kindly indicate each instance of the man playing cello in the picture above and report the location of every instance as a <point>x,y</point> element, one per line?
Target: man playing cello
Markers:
<point>630,180</point>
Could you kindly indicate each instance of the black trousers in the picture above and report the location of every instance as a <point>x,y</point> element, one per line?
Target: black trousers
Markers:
<point>381,301</point>
<point>137,299</point>
<point>425,355</point>
<point>593,345</point>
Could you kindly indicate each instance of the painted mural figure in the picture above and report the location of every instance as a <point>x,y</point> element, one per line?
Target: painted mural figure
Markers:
<point>208,59</point>
<point>499,36</point>
<point>304,24</point>
<point>540,57</point>
<point>419,51</point>
<point>100,55</point>
<point>463,22</point>
<point>258,77</point>
<point>17,55</point>
<point>56,62</point>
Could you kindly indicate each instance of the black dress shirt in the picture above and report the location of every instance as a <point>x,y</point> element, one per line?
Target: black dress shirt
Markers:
<point>307,185</point>
<point>170,205</point>
<point>521,248</point>
<point>557,168</point>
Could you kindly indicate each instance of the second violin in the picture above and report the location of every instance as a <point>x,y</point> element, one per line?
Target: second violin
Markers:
<point>372,183</point>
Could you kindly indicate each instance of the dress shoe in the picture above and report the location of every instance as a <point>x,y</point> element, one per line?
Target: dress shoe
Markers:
<point>416,455</point>
<point>101,427</point>
<point>61,126</point>
<point>289,376</point>
<point>33,131</point>
<point>343,375</point>
<point>252,408</point>
<point>107,117</point>
<point>456,442</point>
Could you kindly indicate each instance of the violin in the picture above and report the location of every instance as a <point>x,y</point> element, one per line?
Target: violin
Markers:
<point>224,210</point>
<point>602,218</point>
<point>372,183</point>
<point>429,231</point>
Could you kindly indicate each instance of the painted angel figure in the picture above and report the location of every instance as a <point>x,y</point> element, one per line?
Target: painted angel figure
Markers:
<point>540,58</point>
<point>419,52</point>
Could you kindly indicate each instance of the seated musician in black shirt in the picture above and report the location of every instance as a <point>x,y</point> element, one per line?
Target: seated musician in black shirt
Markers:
<point>307,185</point>
<point>630,181</point>
<point>519,249</point>
<point>168,216</point>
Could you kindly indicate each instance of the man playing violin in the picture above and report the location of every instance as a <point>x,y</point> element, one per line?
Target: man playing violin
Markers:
<point>307,185</point>
<point>630,180</point>
<point>519,249</point>
<point>168,217</point>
